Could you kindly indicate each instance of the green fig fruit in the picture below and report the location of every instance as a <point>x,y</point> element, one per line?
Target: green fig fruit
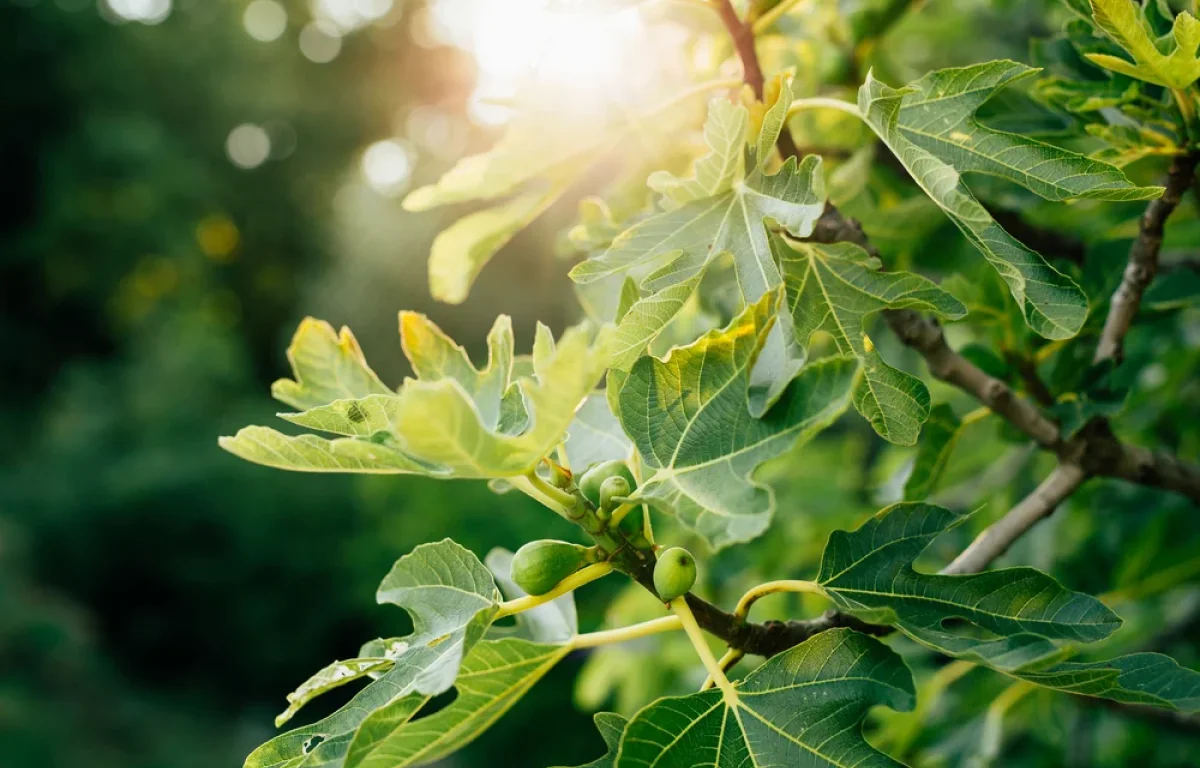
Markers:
<point>674,573</point>
<point>539,566</point>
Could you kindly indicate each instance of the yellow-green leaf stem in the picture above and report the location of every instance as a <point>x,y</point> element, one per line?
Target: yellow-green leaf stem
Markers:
<point>680,607</point>
<point>620,512</point>
<point>633,632</point>
<point>772,587</point>
<point>576,580</point>
<point>726,663</point>
<point>565,500</point>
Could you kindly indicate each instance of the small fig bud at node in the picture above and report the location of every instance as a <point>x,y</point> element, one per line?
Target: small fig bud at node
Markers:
<point>589,484</point>
<point>613,488</point>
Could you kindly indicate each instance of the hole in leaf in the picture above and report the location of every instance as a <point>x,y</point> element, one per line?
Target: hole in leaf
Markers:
<point>312,743</point>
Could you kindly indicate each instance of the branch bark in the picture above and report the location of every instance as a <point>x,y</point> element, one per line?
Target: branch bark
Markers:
<point>1143,259</point>
<point>926,337</point>
<point>742,35</point>
<point>999,536</point>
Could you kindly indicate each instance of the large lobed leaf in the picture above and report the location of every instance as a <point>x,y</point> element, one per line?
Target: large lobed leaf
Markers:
<point>834,288</point>
<point>802,708</point>
<point>870,571</point>
<point>939,116</point>
<point>689,418</point>
<point>1137,678</point>
<point>1004,619</point>
<point>452,420</point>
<point>935,148</point>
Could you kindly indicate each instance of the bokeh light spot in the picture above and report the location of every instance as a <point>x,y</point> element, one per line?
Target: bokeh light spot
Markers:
<point>320,42</point>
<point>248,146</point>
<point>145,11</point>
<point>217,237</point>
<point>265,20</point>
<point>387,166</point>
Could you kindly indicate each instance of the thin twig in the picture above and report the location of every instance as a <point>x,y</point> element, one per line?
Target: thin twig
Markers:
<point>1143,259</point>
<point>926,337</point>
<point>999,536</point>
<point>742,35</point>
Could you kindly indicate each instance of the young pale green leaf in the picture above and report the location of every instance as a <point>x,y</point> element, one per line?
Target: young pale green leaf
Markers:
<point>611,726</point>
<point>1051,302</point>
<point>870,571</point>
<point>715,173</point>
<point>595,435</point>
<point>688,417</point>
<point>336,674</point>
<point>777,99</point>
<point>1125,22</point>
<point>328,366</point>
<point>721,209</point>
<point>493,678</point>
<point>309,453</point>
<point>531,149</point>
<point>834,288</point>
<point>434,356</point>
<point>803,708</point>
<point>453,420</point>
<point>1137,678</point>
<point>937,444</point>
<point>563,375</point>
<point>452,599</point>
<point>938,115</point>
<point>461,251</point>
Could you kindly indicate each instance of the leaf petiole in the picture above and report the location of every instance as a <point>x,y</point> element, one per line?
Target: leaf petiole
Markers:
<point>576,580</point>
<point>726,663</point>
<point>620,512</point>
<point>696,635</point>
<point>822,102</point>
<point>770,588</point>
<point>633,632</point>
<point>561,498</point>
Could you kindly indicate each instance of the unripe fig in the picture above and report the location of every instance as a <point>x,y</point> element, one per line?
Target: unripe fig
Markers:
<point>539,566</point>
<point>591,481</point>
<point>674,573</point>
<point>612,488</point>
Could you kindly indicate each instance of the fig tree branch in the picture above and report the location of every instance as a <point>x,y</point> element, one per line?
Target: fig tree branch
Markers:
<point>998,537</point>
<point>1143,259</point>
<point>742,35</point>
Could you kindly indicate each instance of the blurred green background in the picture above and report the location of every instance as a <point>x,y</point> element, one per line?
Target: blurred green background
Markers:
<point>188,179</point>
